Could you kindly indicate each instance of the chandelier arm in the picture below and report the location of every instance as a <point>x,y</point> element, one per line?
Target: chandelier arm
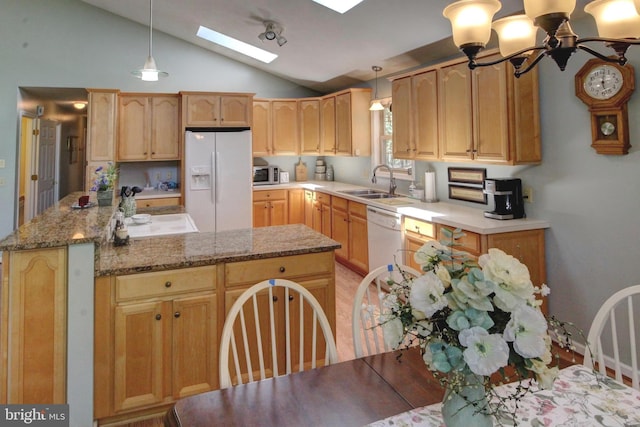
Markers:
<point>529,67</point>
<point>619,60</point>
<point>608,40</point>
<point>473,64</point>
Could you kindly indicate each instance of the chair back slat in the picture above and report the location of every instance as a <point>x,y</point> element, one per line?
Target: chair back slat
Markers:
<point>367,307</point>
<point>264,326</point>
<point>614,352</point>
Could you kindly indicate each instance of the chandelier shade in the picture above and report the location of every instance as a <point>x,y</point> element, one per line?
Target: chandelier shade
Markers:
<point>618,23</point>
<point>149,71</point>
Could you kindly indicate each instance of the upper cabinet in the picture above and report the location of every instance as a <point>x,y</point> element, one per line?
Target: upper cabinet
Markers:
<point>149,127</point>
<point>309,114</point>
<point>353,123</point>
<point>201,109</point>
<point>415,116</point>
<point>275,127</point>
<point>101,127</point>
<point>485,115</point>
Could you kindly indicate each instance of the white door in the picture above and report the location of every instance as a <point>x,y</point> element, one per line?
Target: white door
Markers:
<point>47,165</point>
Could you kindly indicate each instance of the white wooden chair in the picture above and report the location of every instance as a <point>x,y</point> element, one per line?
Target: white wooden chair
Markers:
<point>613,312</point>
<point>367,306</point>
<point>272,330</point>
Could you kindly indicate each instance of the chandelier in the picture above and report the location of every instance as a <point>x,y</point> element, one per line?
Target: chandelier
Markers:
<point>617,21</point>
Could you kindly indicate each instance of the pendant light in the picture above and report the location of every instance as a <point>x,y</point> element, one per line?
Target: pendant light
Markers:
<point>149,72</point>
<point>376,105</point>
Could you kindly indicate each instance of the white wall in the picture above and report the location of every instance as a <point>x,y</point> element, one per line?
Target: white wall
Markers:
<point>68,43</point>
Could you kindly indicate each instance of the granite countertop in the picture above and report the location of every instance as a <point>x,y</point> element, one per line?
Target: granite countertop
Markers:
<point>198,249</point>
<point>450,214</point>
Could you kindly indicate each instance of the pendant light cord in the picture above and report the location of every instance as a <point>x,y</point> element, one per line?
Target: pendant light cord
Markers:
<point>150,26</point>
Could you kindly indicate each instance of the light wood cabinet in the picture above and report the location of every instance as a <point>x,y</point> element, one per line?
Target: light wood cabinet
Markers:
<point>270,207</point>
<point>156,339</point>
<point>295,197</point>
<point>309,200</point>
<point>149,127</point>
<point>316,272</point>
<point>470,242</point>
<point>487,115</point>
<point>353,123</point>
<point>416,233</point>
<point>309,117</point>
<point>33,327</point>
<point>101,125</point>
<point>321,213</point>
<point>349,227</point>
<point>202,109</point>
<point>275,129</point>
<point>415,116</point>
<point>328,125</point>
<point>164,201</point>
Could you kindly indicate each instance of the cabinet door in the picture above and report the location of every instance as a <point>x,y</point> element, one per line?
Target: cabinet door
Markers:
<point>411,246</point>
<point>195,350</point>
<point>343,124</point>
<point>309,198</point>
<point>470,242</point>
<point>278,212</point>
<point>455,112</point>
<point>235,110</point>
<point>328,125</point>
<point>358,241</point>
<point>296,206</point>
<point>101,126</point>
<point>140,336</point>
<point>202,110</point>
<point>491,114</point>
<point>261,130</point>
<point>402,123</point>
<point>36,328</point>
<point>165,137</point>
<point>261,214</point>
<point>309,113</point>
<point>425,125</point>
<point>317,216</point>
<point>284,134</point>
<point>340,226</point>
<point>133,128</point>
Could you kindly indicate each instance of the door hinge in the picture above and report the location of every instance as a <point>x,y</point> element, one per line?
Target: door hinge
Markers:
<point>34,177</point>
<point>36,132</point>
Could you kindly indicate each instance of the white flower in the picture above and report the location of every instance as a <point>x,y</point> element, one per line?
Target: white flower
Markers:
<point>513,283</point>
<point>427,294</point>
<point>485,353</point>
<point>545,375</point>
<point>443,274</point>
<point>427,252</point>
<point>527,329</point>
<point>392,331</point>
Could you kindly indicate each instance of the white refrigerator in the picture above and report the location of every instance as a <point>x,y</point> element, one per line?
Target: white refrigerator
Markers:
<point>218,175</point>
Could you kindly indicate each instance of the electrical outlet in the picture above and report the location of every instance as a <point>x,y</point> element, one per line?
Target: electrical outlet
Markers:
<point>168,176</point>
<point>2,182</point>
<point>2,163</point>
<point>527,193</point>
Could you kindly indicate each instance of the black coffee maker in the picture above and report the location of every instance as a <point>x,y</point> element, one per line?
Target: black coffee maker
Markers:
<point>507,195</point>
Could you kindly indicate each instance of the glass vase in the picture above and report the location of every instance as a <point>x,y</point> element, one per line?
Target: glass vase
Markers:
<point>105,198</point>
<point>128,206</point>
<point>467,405</point>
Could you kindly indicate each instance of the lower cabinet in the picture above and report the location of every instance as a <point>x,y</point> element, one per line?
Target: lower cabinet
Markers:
<point>33,327</point>
<point>321,213</point>
<point>156,339</point>
<point>163,201</point>
<point>416,233</point>
<point>270,207</point>
<point>349,227</point>
<point>295,197</point>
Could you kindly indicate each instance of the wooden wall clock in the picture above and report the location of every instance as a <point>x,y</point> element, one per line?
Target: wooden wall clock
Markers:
<point>606,88</point>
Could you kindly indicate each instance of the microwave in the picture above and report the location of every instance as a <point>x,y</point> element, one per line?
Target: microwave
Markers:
<point>264,175</point>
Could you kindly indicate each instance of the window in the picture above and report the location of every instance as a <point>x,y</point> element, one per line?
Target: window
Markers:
<point>382,135</point>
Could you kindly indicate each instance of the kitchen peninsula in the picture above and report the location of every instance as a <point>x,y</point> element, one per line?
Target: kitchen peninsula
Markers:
<point>158,303</point>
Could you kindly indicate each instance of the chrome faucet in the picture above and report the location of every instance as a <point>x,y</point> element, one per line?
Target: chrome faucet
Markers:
<point>392,180</point>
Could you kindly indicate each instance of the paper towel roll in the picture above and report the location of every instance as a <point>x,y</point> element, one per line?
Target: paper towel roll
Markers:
<point>430,187</point>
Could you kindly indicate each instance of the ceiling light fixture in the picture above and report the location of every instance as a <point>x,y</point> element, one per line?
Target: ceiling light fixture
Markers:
<point>236,45</point>
<point>340,6</point>
<point>273,31</point>
<point>149,72</point>
<point>618,23</point>
<point>79,105</point>
<point>376,105</point>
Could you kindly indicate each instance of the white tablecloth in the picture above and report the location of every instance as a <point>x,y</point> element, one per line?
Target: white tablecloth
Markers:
<point>578,398</point>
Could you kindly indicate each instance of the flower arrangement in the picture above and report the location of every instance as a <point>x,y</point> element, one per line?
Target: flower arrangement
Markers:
<point>105,179</point>
<point>471,319</point>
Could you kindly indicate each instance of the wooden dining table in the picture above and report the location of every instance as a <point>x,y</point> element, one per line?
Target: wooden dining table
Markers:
<point>351,393</point>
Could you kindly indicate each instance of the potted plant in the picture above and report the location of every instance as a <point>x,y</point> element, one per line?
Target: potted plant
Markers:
<point>104,182</point>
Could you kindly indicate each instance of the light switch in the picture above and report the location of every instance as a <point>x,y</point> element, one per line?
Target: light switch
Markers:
<point>1,163</point>
<point>2,182</point>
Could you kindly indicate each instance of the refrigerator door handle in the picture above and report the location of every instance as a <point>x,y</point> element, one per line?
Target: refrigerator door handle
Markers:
<point>213,177</point>
<point>215,173</point>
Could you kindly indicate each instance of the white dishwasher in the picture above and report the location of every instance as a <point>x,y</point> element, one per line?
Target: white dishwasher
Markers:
<point>384,232</point>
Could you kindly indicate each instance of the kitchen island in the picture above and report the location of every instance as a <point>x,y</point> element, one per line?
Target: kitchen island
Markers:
<point>158,305</point>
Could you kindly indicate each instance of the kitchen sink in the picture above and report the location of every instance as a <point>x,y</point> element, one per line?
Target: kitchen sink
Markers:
<point>364,192</point>
<point>378,196</point>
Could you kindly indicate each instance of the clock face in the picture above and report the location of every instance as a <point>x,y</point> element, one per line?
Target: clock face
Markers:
<point>603,82</point>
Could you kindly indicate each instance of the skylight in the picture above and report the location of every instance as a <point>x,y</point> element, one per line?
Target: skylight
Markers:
<point>234,44</point>
<point>340,6</point>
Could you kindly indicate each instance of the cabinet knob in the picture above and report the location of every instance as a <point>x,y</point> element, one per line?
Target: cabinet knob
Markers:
<point>290,297</point>
<point>275,298</point>
<point>158,316</point>
<point>167,284</point>
<point>153,152</point>
<point>176,314</point>
<point>145,153</point>
<point>282,269</point>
